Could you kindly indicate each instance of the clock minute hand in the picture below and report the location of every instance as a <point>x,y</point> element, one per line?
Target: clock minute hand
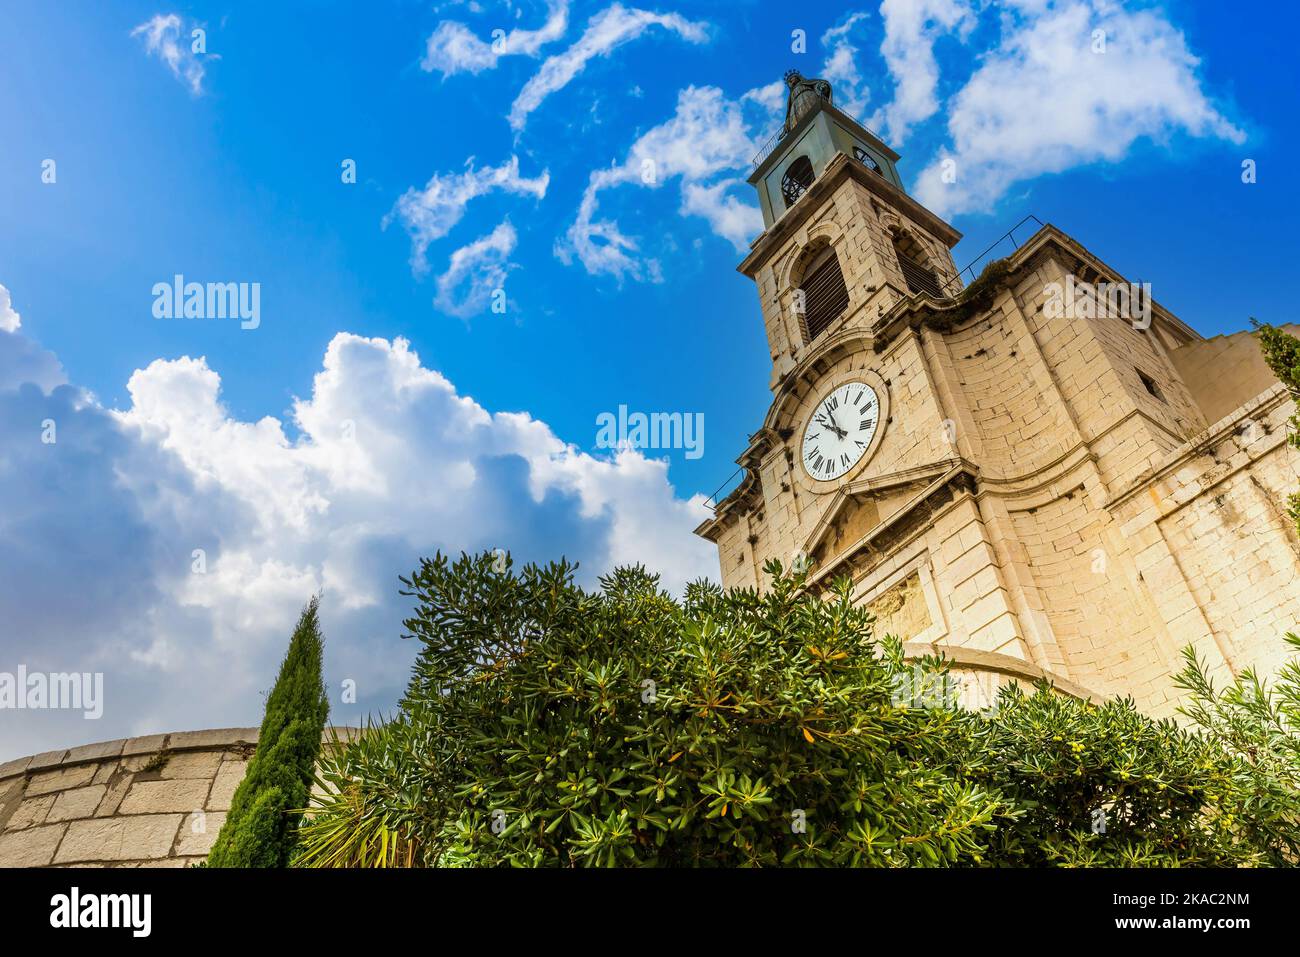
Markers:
<point>836,426</point>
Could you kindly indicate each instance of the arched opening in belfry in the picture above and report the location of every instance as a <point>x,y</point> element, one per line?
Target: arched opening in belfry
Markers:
<point>913,262</point>
<point>867,160</point>
<point>798,177</point>
<point>821,296</point>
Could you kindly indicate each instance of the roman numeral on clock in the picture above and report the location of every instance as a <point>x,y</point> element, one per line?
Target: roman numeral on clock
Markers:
<point>866,424</point>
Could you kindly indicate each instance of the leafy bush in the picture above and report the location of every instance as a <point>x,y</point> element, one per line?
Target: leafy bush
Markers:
<point>1259,724</point>
<point>261,829</point>
<point>545,725</point>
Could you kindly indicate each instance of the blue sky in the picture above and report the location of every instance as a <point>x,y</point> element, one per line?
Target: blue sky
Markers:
<point>520,169</point>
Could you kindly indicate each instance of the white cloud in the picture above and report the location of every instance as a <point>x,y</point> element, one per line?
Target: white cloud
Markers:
<point>706,136</point>
<point>387,462</point>
<point>161,35</point>
<point>482,266</point>
<point>770,99</point>
<point>911,29</point>
<point>430,213</point>
<point>607,30</point>
<point>841,67</point>
<point>1044,102</point>
<point>734,221</point>
<point>9,318</point>
<point>454,48</point>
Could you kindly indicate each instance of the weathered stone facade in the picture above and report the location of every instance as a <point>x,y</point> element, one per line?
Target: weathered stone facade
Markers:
<point>1074,496</point>
<point>157,801</point>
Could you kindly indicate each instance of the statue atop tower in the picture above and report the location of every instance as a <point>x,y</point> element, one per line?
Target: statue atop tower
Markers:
<point>805,95</point>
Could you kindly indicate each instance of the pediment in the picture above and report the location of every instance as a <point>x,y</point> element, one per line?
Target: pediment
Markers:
<point>860,509</point>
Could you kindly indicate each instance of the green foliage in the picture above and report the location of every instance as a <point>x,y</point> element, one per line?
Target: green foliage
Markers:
<point>261,829</point>
<point>1104,785</point>
<point>545,725</point>
<point>1259,724</point>
<point>1282,353</point>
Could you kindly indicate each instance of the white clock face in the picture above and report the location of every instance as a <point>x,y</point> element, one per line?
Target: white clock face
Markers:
<point>840,430</point>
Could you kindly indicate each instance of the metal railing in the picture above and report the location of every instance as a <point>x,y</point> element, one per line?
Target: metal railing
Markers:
<point>729,484</point>
<point>766,150</point>
<point>970,267</point>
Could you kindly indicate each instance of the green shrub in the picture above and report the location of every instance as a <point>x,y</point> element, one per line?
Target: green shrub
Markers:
<point>545,725</point>
<point>1259,724</point>
<point>261,829</point>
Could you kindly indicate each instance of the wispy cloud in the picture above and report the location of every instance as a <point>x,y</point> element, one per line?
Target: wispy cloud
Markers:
<point>841,66</point>
<point>911,29</point>
<point>161,36</point>
<point>706,136</point>
<point>475,272</point>
<point>429,214</point>
<point>607,30</point>
<point>454,48</point>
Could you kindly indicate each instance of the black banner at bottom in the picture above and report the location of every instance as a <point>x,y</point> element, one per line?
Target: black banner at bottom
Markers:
<point>332,907</point>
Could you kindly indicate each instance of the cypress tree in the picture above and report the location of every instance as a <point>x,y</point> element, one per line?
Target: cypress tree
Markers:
<point>261,829</point>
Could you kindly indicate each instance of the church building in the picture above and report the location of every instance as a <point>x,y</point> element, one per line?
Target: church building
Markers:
<point>1043,473</point>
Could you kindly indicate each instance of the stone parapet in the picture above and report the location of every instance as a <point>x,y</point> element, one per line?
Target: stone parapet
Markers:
<point>153,801</point>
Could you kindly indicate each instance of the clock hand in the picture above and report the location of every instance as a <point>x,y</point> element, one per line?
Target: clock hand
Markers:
<point>836,426</point>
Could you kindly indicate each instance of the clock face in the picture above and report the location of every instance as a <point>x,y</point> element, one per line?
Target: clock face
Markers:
<point>840,430</point>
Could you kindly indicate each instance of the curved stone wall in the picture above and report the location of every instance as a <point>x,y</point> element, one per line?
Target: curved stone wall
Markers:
<point>156,801</point>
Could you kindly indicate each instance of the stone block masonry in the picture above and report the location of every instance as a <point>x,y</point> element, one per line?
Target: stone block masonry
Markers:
<point>156,801</point>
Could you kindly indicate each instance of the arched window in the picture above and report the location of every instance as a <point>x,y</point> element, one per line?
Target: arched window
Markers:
<point>822,293</point>
<point>866,159</point>
<point>798,177</point>
<point>919,278</point>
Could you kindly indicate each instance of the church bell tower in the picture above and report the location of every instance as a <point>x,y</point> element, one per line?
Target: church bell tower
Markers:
<point>828,179</point>
<point>1023,490</point>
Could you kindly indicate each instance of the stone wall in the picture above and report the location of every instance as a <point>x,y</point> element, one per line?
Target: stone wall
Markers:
<point>156,801</point>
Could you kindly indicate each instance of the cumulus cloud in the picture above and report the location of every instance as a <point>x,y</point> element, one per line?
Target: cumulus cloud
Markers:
<point>454,48</point>
<point>475,271</point>
<point>9,318</point>
<point>161,35</point>
<point>429,214</point>
<point>1044,101</point>
<point>706,137</point>
<point>21,359</point>
<point>606,31</point>
<point>171,544</point>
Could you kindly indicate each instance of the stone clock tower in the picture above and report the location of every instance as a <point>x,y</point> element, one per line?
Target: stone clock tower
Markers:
<point>1033,487</point>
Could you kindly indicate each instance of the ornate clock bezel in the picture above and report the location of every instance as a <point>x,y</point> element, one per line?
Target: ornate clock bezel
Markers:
<point>825,386</point>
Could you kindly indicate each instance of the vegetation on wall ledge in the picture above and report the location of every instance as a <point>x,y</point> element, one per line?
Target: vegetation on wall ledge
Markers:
<point>1282,353</point>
